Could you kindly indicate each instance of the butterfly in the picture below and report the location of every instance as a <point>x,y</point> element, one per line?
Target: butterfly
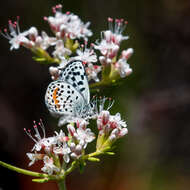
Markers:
<point>69,95</point>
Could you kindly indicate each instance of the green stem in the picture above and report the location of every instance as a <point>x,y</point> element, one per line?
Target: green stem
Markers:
<point>61,185</point>
<point>23,171</point>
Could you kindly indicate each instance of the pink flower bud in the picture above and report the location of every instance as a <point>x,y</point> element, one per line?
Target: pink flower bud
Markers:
<point>71,130</point>
<point>126,54</point>
<point>123,132</point>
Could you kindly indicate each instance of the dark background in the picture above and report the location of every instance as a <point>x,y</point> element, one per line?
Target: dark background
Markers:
<point>155,99</point>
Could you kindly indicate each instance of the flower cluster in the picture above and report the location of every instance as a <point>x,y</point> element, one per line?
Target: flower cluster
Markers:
<point>67,25</point>
<point>109,47</point>
<point>68,30</point>
<point>111,125</point>
<point>53,149</point>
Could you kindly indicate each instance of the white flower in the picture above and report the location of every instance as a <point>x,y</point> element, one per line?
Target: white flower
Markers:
<point>108,49</point>
<point>60,137</point>
<point>84,136</point>
<point>92,72</point>
<point>16,38</point>
<point>103,119</point>
<point>33,33</point>
<point>123,68</point>
<point>76,150</point>
<point>68,25</point>
<point>111,40</point>
<point>126,54</point>
<point>54,72</point>
<point>116,122</point>
<point>86,56</point>
<point>49,166</point>
<point>114,34</point>
<point>41,142</point>
<point>60,51</point>
<point>64,150</point>
<point>44,143</point>
<point>45,41</point>
<point>111,125</point>
<point>34,157</point>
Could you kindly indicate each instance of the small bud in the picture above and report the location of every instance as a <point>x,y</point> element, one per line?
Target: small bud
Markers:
<point>126,54</point>
<point>93,159</point>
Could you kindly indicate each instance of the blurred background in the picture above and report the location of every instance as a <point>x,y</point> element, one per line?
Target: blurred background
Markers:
<point>155,99</point>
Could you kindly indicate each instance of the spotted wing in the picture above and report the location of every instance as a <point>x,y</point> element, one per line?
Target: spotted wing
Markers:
<point>63,99</point>
<point>74,73</point>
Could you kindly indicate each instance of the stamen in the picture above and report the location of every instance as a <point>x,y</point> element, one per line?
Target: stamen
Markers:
<point>29,134</point>
<point>43,128</point>
<point>110,23</point>
<point>37,135</point>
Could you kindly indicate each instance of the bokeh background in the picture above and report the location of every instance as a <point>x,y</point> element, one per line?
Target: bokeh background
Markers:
<point>155,99</point>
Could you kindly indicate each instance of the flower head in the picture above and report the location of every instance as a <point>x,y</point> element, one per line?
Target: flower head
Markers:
<point>15,37</point>
<point>49,166</point>
<point>68,25</point>
<point>41,142</point>
<point>86,55</point>
<point>111,125</point>
<point>123,68</point>
<point>34,157</point>
<point>60,50</point>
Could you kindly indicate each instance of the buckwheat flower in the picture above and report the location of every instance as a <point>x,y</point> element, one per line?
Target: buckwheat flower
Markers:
<point>15,37</point>
<point>49,166</point>
<point>107,49</point>
<point>103,119</point>
<point>68,25</point>
<point>84,136</point>
<point>33,33</point>
<point>126,54</point>
<point>92,72</point>
<point>82,123</point>
<point>123,68</point>
<point>41,142</point>
<point>77,29</point>
<point>60,137</point>
<point>86,56</point>
<point>60,51</point>
<point>110,40</point>
<point>116,122</point>
<point>118,133</point>
<point>54,72</point>
<point>62,148</point>
<point>44,41</point>
<point>114,34</point>
<point>76,150</point>
<point>34,157</point>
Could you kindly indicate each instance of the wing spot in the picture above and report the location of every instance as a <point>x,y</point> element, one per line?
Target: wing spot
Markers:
<point>80,83</point>
<point>82,89</point>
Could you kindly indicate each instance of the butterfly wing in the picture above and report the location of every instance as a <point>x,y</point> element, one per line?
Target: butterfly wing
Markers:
<point>63,99</point>
<point>74,74</point>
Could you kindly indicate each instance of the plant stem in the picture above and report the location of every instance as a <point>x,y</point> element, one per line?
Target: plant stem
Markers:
<point>61,185</point>
<point>22,171</point>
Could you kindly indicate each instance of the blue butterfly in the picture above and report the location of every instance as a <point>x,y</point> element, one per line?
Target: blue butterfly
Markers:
<point>69,96</point>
